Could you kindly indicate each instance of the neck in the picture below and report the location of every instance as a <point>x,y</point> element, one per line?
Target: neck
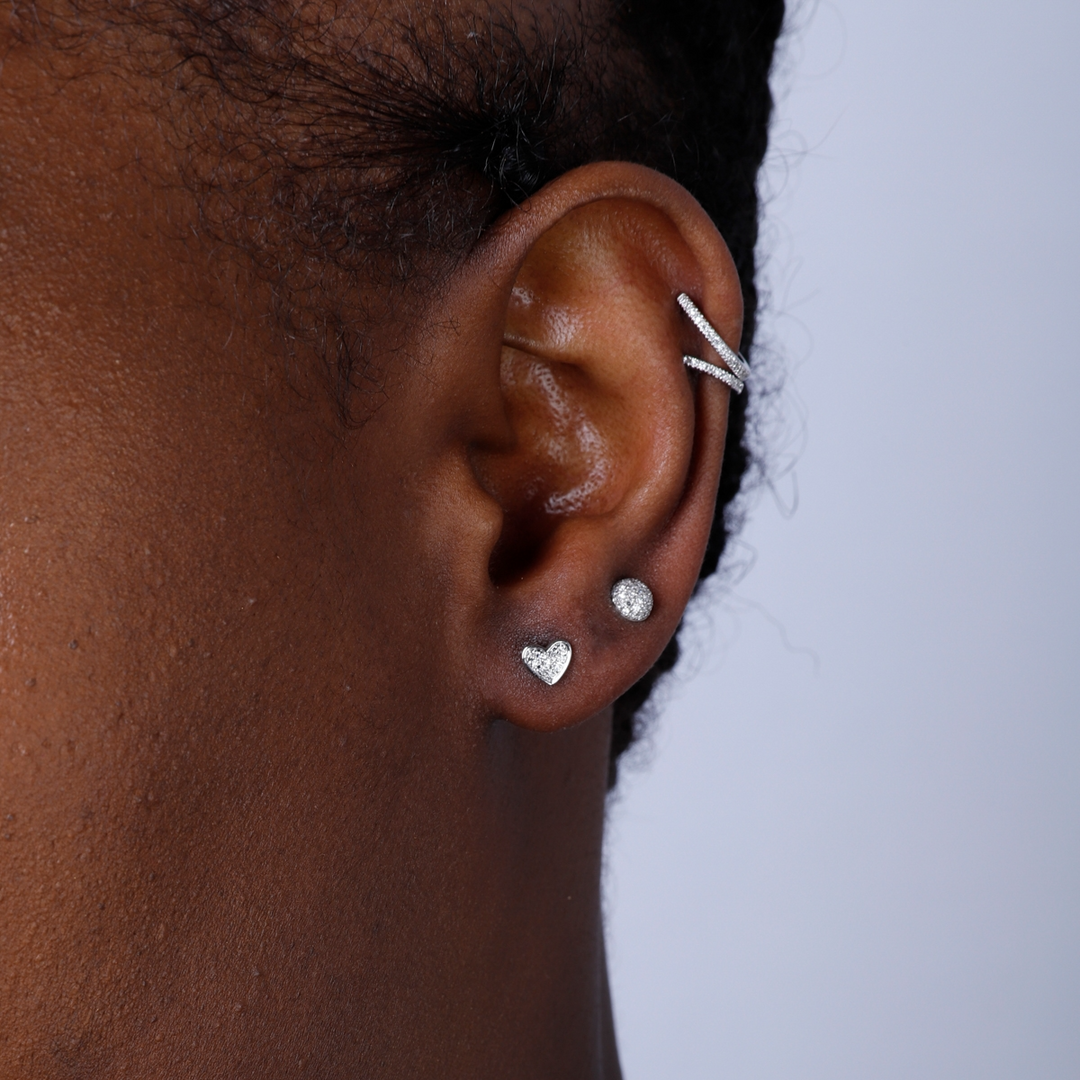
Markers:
<point>318,916</point>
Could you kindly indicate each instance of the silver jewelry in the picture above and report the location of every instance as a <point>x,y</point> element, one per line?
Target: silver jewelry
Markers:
<point>738,371</point>
<point>550,664</point>
<point>632,599</point>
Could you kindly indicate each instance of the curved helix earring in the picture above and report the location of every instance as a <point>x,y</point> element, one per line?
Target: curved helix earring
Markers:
<point>633,599</point>
<point>738,370</point>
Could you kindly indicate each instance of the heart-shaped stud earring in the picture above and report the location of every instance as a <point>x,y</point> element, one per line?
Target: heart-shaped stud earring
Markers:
<point>548,664</point>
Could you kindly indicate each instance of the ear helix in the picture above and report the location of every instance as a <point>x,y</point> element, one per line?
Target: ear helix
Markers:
<point>632,598</point>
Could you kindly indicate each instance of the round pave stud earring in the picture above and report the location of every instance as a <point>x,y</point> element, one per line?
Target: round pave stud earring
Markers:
<point>632,599</point>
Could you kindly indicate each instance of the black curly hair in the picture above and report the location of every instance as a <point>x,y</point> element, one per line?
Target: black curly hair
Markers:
<point>713,57</point>
<point>338,147</point>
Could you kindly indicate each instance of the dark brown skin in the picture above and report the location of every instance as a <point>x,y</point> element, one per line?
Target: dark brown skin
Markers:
<point>277,796</point>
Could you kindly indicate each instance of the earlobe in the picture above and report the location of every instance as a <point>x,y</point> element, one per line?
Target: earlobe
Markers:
<point>605,470</point>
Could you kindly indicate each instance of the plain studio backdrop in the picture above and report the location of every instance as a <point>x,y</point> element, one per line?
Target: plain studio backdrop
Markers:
<point>854,851</point>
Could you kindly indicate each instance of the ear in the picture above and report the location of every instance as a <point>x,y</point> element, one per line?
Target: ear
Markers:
<point>596,457</point>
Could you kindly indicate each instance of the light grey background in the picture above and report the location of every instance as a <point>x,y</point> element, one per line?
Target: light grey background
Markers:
<point>855,852</point>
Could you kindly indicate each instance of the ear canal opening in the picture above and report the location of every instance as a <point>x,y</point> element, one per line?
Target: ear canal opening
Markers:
<point>525,534</point>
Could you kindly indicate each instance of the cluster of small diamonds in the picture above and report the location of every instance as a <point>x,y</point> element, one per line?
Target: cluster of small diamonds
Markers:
<point>716,372</point>
<point>548,664</point>
<point>632,599</point>
<point>738,369</point>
